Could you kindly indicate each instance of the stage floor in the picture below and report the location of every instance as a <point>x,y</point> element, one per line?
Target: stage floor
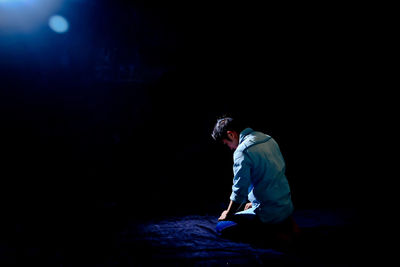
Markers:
<point>329,238</point>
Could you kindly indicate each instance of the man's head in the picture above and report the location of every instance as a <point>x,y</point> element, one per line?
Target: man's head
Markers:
<point>227,131</point>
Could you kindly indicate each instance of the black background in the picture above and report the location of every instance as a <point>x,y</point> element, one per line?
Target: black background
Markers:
<point>118,111</point>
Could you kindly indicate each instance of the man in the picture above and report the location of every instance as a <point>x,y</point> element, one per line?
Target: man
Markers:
<point>259,179</point>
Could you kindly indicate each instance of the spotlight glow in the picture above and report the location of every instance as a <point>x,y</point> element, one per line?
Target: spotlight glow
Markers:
<point>58,24</point>
<point>12,1</point>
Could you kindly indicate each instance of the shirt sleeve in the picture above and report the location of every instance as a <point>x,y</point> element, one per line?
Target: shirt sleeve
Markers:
<point>241,179</point>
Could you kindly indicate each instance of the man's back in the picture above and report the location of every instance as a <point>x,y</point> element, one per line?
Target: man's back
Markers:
<point>268,188</point>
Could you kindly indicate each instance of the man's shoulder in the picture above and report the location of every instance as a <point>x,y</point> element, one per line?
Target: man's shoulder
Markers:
<point>252,139</point>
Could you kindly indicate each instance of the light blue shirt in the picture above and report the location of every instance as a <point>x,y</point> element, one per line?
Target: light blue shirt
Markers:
<point>259,177</point>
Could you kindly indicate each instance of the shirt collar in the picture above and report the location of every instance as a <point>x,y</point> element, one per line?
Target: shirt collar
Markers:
<point>244,133</point>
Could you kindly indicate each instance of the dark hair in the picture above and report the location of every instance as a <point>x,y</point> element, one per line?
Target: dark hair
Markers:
<point>225,124</point>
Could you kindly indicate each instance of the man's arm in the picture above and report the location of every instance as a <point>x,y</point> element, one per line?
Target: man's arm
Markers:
<point>241,183</point>
<point>230,211</point>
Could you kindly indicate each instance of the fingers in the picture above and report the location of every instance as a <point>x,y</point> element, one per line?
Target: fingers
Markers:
<point>248,206</point>
<point>223,216</point>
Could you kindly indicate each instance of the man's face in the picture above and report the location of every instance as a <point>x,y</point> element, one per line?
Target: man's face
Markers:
<point>233,140</point>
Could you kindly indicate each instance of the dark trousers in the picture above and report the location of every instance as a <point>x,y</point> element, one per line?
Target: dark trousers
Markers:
<point>249,228</point>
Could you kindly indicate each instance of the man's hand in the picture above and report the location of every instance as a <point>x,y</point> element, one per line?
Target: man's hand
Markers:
<point>230,211</point>
<point>223,216</point>
<point>248,206</point>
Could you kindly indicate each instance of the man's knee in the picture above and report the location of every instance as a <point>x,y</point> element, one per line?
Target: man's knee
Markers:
<point>233,231</point>
<point>225,227</point>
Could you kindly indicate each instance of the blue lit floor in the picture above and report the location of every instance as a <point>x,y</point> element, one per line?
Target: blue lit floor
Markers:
<point>329,238</point>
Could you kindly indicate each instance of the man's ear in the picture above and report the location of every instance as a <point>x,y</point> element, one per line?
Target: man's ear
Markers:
<point>231,135</point>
